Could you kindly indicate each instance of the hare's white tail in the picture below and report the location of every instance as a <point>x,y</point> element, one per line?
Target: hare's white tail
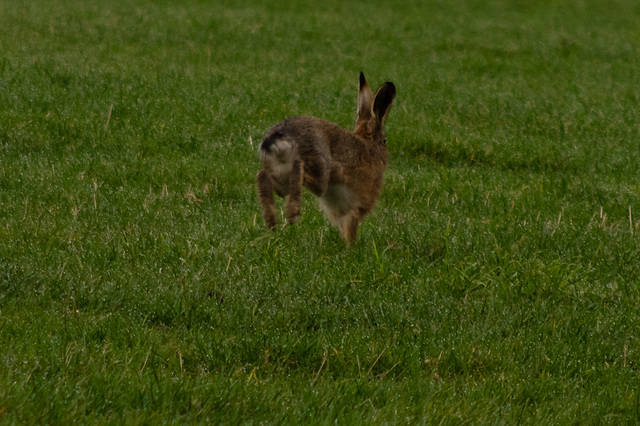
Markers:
<point>277,155</point>
<point>276,147</point>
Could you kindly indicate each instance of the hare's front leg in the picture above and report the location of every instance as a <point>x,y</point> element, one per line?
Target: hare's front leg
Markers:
<point>295,188</point>
<point>349,227</point>
<point>265,193</point>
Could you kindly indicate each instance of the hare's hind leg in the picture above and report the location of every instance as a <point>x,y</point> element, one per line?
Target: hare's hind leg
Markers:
<point>317,175</point>
<point>265,193</point>
<point>295,187</point>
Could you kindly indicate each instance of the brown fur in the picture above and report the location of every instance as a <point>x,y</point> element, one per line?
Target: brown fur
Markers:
<point>343,169</point>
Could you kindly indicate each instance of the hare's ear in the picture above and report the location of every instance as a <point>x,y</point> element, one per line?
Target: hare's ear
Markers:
<point>383,100</point>
<point>365,98</point>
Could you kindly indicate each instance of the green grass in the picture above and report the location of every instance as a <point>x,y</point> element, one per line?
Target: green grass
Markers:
<point>497,281</point>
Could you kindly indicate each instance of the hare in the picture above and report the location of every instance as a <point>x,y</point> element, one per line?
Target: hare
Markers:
<point>342,168</point>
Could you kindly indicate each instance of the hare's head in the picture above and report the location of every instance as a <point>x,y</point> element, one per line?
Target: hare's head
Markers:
<point>373,110</point>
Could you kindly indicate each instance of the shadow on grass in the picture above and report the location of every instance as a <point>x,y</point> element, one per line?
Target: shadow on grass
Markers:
<point>467,155</point>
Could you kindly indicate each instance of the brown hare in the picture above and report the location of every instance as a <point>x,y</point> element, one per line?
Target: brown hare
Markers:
<point>342,168</point>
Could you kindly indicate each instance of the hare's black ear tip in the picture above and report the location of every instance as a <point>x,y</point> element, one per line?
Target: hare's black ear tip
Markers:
<point>392,86</point>
<point>389,90</point>
<point>363,81</point>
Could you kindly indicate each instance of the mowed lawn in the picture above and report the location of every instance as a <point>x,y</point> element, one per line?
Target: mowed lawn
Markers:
<point>497,280</point>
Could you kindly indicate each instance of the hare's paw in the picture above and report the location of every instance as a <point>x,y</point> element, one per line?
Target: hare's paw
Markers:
<point>293,213</point>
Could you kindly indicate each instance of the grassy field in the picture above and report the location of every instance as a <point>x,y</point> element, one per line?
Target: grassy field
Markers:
<point>497,281</point>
